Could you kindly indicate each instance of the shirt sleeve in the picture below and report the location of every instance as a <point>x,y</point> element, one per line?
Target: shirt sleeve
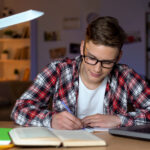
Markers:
<point>32,108</point>
<point>139,97</point>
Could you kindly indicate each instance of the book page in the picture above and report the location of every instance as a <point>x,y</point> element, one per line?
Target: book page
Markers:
<point>96,129</point>
<point>34,132</point>
<point>78,138</point>
<point>34,136</point>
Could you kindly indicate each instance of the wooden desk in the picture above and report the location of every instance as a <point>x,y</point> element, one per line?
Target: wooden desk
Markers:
<point>114,142</point>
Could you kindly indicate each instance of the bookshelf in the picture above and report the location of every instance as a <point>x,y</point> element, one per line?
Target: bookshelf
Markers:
<point>14,52</point>
<point>15,40</point>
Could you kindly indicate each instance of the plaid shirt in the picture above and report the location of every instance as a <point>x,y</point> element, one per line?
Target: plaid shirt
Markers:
<point>60,82</point>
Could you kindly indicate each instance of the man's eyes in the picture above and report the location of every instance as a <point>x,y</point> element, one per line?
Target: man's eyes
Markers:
<point>92,58</point>
<point>108,62</point>
<point>104,61</point>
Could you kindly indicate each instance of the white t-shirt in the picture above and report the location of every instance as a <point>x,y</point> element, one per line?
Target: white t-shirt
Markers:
<point>90,102</point>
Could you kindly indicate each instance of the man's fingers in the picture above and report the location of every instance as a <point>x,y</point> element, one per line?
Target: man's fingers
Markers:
<point>76,122</point>
<point>96,116</point>
<point>99,120</point>
<point>90,119</point>
<point>67,124</point>
<point>65,120</point>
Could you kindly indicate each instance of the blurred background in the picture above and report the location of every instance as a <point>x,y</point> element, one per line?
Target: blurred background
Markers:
<point>26,48</point>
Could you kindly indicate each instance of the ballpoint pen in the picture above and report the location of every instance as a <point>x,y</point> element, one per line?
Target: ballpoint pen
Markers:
<point>66,107</point>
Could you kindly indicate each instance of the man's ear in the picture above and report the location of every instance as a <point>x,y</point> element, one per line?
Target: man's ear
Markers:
<point>120,55</point>
<point>82,47</point>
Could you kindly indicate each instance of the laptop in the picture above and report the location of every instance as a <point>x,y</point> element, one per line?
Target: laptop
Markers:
<point>139,131</point>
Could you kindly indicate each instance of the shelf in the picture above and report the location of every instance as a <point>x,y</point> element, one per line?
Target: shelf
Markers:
<point>14,39</point>
<point>14,60</point>
<point>19,53</point>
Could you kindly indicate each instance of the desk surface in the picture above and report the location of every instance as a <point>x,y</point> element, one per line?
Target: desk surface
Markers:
<point>113,142</point>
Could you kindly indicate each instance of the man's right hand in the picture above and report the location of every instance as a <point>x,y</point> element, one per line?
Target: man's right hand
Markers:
<point>65,121</point>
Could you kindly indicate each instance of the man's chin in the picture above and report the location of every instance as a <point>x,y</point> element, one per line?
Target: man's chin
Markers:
<point>97,80</point>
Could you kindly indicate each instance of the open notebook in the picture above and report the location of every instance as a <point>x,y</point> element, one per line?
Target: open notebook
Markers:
<point>140,131</point>
<point>19,18</point>
<point>41,136</point>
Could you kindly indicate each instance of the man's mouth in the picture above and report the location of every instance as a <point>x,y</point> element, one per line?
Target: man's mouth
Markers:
<point>95,75</point>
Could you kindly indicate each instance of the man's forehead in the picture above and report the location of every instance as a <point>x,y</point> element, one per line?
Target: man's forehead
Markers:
<point>91,46</point>
<point>101,51</point>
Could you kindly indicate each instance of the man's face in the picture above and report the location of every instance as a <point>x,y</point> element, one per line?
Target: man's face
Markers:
<point>94,74</point>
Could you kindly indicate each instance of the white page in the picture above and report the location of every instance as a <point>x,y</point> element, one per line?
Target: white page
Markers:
<point>19,18</point>
<point>96,129</point>
<point>90,129</point>
<point>34,136</point>
<point>74,135</point>
<point>78,138</point>
<point>34,132</point>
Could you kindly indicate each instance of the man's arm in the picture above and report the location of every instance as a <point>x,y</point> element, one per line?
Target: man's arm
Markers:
<point>32,108</point>
<point>138,95</point>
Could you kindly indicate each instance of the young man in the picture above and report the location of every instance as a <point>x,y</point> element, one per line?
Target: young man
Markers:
<point>90,90</point>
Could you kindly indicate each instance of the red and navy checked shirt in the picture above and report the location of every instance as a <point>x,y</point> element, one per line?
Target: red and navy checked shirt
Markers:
<point>60,81</point>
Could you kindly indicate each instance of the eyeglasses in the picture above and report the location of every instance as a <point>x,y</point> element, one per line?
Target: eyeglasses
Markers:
<point>93,61</point>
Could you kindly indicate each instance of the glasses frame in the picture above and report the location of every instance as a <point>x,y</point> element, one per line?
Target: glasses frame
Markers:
<point>101,61</point>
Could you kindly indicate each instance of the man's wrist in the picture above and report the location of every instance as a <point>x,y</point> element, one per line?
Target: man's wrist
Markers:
<point>118,120</point>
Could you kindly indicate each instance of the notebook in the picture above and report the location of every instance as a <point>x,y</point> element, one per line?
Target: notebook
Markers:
<point>139,131</point>
<point>4,137</point>
<point>41,136</point>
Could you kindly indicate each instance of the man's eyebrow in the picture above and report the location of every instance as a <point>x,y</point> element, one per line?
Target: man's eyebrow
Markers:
<point>90,53</point>
<point>96,57</point>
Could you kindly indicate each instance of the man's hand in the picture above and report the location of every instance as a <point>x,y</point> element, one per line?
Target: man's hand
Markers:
<point>102,121</point>
<point>65,120</point>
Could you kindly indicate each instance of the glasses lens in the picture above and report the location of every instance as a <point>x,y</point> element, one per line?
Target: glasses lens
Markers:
<point>93,61</point>
<point>108,64</point>
<point>90,60</point>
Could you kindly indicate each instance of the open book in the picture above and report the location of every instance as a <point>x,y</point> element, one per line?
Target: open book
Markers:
<point>41,136</point>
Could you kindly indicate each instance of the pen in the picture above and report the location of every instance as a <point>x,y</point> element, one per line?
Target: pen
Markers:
<point>66,107</point>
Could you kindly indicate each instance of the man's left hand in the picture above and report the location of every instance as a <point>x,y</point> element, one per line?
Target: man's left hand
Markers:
<point>102,121</point>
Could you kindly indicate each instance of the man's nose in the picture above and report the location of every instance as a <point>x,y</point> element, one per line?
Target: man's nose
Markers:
<point>98,67</point>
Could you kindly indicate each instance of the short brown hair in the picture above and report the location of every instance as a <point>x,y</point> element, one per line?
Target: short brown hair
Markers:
<point>106,31</point>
